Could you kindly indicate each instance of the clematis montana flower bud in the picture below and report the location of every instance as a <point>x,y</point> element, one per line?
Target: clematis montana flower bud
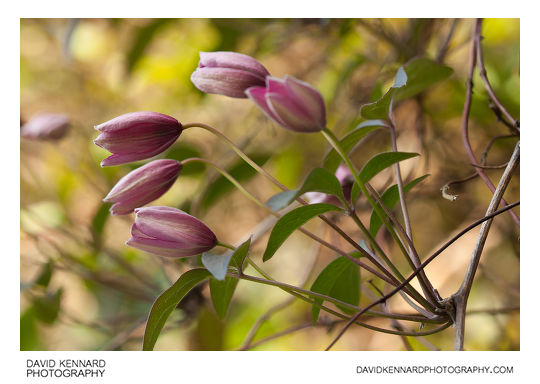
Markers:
<point>137,136</point>
<point>291,103</point>
<point>143,185</point>
<point>46,126</point>
<point>346,180</point>
<point>170,232</point>
<point>228,73</point>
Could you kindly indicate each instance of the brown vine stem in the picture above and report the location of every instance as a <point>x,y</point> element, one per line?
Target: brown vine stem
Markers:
<point>483,75</point>
<point>444,47</point>
<point>466,111</point>
<point>460,298</point>
<point>422,266</point>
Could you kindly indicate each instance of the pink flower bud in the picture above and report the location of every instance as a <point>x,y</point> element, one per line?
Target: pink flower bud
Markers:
<point>137,136</point>
<point>170,232</point>
<point>143,185</point>
<point>228,73</point>
<point>46,126</point>
<point>291,103</point>
<point>346,180</point>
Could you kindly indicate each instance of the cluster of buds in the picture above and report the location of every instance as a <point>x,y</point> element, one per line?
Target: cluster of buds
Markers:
<point>163,231</point>
<point>291,103</point>
<point>170,232</point>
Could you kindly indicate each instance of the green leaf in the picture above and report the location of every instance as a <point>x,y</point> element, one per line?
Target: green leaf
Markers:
<point>47,307</point>
<point>98,223</point>
<point>340,280</point>
<point>382,161</point>
<point>422,73</point>
<point>167,301</point>
<point>220,187</point>
<point>390,197</point>
<point>217,264</point>
<point>45,275</point>
<point>240,255</point>
<point>380,108</point>
<point>417,75</point>
<point>332,159</point>
<point>221,292</point>
<point>355,191</point>
<point>319,180</point>
<point>291,221</point>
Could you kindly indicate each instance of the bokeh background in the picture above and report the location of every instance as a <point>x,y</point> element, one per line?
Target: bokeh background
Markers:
<point>83,289</point>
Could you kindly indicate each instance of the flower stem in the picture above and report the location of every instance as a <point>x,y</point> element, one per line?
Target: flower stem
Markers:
<point>300,292</point>
<point>260,170</point>
<point>386,276</point>
<point>334,142</point>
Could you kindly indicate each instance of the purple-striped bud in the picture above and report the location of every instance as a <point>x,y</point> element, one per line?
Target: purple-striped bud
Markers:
<point>228,73</point>
<point>137,136</point>
<point>143,185</point>
<point>170,232</point>
<point>46,126</point>
<point>346,180</point>
<point>293,104</point>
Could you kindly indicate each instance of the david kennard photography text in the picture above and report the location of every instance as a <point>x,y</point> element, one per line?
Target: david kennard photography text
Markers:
<point>65,368</point>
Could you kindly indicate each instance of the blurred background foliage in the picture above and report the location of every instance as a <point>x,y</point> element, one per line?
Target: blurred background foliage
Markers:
<point>83,289</point>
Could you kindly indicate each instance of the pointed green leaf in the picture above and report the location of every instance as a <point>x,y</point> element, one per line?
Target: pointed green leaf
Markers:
<point>291,221</point>
<point>319,180</point>
<point>221,292</point>
<point>340,280</point>
<point>167,301</point>
<point>217,264</point>
<point>380,108</point>
<point>240,254</point>
<point>422,73</point>
<point>332,159</point>
<point>390,197</point>
<point>382,161</point>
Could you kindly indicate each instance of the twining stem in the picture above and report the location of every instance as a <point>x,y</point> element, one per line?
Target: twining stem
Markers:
<point>387,276</point>
<point>466,111</point>
<point>334,142</point>
<point>426,285</point>
<point>421,267</point>
<point>429,288</point>
<point>461,297</point>
<point>483,75</point>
